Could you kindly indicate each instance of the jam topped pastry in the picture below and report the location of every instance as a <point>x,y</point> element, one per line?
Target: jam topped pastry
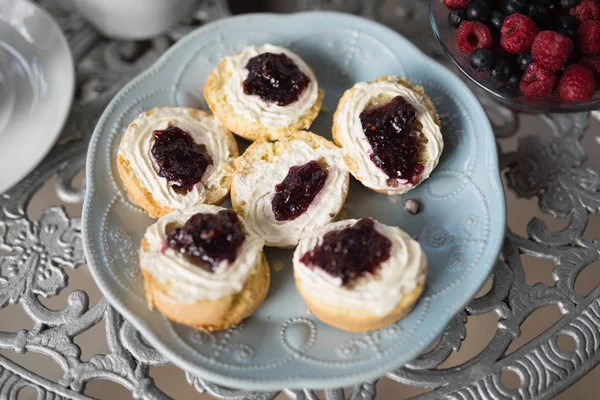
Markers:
<point>263,91</point>
<point>390,133</point>
<point>208,239</point>
<point>203,268</point>
<point>290,186</point>
<point>275,78</point>
<point>350,253</point>
<point>391,130</point>
<point>174,158</point>
<point>180,159</point>
<point>359,275</point>
<point>296,192</point>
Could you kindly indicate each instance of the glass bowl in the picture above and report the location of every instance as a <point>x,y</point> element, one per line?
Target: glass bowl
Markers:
<point>445,34</point>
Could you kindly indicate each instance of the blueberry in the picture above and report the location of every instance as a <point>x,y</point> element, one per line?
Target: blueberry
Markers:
<point>514,80</point>
<point>516,6</point>
<point>482,60</point>
<point>497,19</point>
<point>551,4</point>
<point>456,17</point>
<point>501,71</point>
<point>478,11</point>
<point>524,59</point>
<point>538,12</point>
<point>568,32</point>
<point>569,3</point>
<point>568,22</point>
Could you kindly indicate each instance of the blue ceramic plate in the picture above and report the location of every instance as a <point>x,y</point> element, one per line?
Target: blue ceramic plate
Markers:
<point>461,226</point>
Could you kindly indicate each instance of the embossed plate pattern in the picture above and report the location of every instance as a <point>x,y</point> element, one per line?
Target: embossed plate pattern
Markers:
<point>461,226</point>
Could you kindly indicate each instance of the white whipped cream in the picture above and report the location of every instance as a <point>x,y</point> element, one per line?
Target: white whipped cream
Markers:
<point>138,140</point>
<point>379,294</point>
<point>255,189</point>
<point>357,146</point>
<point>252,107</point>
<point>187,282</point>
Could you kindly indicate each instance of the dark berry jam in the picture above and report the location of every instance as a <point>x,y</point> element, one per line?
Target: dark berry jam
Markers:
<point>350,253</point>
<point>208,239</point>
<point>390,130</point>
<point>275,78</point>
<point>180,159</point>
<point>299,188</point>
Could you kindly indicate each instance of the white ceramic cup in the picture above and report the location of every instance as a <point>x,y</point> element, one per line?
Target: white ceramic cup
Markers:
<point>133,19</point>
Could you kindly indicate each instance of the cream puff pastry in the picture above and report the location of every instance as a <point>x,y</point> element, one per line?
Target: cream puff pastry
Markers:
<point>359,275</point>
<point>289,187</point>
<point>263,91</point>
<point>202,268</point>
<point>174,158</point>
<point>390,133</point>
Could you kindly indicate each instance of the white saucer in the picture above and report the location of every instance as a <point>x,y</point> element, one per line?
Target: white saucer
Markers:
<point>37,81</point>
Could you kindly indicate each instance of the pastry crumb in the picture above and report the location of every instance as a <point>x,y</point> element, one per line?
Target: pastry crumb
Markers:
<point>412,207</point>
<point>276,265</point>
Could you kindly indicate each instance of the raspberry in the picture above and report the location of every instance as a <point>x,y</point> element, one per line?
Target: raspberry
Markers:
<point>588,37</point>
<point>576,84</point>
<point>455,4</point>
<point>537,81</point>
<point>472,35</point>
<point>586,10</point>
<point>552,50</point>
<point>517,33</point>
<point>593,63</point>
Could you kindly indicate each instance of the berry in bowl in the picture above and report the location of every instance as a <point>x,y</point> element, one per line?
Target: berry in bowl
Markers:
<point>538,55</point>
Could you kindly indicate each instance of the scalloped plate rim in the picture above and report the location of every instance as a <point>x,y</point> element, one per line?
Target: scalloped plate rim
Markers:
<point>291,383</point>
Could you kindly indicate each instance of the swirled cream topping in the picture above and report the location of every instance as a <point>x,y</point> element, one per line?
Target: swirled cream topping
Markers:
<point>365,95</point>
<point>252,107</point>
<point>185,281</point>
<point>253,188</point>
<point>379,293</point>
<point>203,128</point>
